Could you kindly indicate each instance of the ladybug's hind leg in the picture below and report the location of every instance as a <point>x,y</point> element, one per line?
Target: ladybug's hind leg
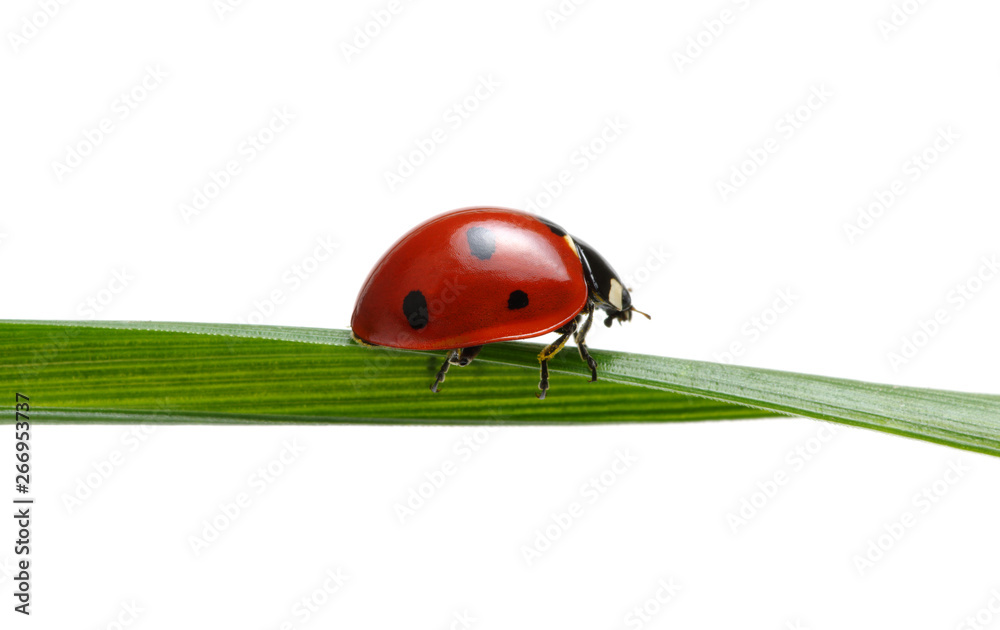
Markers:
<point>550,351</point>
<point>460,357</point>
<point>581,344</point>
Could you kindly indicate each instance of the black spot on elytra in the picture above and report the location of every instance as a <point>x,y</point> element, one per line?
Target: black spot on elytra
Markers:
<point>482,243</point>
<point>518,299</point>
<point>558,231</point>
<point>415,309</point>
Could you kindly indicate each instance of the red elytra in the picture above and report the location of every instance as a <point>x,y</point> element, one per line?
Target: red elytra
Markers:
<point>466,287</point>
<point>481,275</point>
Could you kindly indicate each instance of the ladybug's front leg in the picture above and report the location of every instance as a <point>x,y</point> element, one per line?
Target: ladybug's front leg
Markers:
<point>581,344</point>
<point>550,351</point>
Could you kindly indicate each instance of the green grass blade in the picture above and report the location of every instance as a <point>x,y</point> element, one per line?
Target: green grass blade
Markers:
<point>138,371</point>
<point>181,372</point>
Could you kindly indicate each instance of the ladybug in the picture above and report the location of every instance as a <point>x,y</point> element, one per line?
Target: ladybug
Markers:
<point>475,276</point>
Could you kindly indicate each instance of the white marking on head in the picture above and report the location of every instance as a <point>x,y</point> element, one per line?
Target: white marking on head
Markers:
<point>615,294</point>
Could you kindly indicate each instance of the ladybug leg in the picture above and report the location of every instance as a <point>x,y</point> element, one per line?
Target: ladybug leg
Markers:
<point>451,358</point>
<point>550,351</point>
<point>460,357</point>
<point>543,384</point>
<point>581,345</point>
<point>466,355</point>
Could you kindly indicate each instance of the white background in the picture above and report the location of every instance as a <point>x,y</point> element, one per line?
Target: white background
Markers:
<point>217,77</point>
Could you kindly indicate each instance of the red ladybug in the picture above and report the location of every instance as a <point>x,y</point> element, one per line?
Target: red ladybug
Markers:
<point>475,276</point>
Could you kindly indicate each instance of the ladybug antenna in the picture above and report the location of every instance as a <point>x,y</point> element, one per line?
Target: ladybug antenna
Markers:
<point>646,315</point>
<point>624,316</point>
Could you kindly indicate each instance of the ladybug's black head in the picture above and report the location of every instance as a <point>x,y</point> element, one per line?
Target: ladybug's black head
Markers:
<point>607,291</point>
